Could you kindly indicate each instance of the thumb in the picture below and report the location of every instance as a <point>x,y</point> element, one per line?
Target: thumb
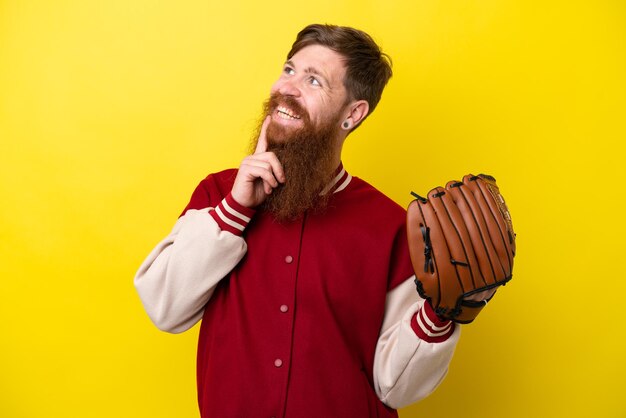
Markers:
<point>261,145</point>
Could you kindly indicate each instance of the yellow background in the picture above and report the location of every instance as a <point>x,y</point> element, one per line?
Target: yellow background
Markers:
<point>111,112</point>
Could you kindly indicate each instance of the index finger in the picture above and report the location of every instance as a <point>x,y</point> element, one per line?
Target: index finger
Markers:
<point>261,145</point>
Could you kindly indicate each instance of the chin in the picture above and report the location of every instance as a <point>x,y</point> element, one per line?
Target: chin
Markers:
<point>280,133</point>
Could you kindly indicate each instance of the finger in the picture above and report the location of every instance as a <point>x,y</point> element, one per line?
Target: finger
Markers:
<point>494,226</point>
<point>255,169</point>
<point>450,284</point>
<point>421,255</point>
<point>459,261</point>
<point>277,167</point>
<point>267,188</point>
<point>479,250</point>
<point>485,295</point>
<point>267,161</point>
<point>261,145</point>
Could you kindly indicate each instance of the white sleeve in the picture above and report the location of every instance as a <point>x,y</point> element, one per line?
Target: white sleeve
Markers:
<point>179,276</point>
<point>407,366</point>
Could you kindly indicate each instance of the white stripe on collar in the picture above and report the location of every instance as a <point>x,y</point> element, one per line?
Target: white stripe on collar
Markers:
<point>344,184</point>
<point>342,178</point>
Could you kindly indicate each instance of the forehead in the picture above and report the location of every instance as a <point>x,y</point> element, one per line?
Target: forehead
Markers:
<point>321,59</point>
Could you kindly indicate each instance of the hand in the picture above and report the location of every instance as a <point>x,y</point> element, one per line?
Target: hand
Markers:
<point>483,296</point>
<point>258,174</point>
<point>466,227</point>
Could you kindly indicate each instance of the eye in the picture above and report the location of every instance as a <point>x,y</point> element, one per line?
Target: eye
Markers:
<point>289,70</point>
<point>314,82</point>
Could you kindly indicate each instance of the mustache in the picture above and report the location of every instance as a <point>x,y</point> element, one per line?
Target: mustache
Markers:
<point>278,99</point>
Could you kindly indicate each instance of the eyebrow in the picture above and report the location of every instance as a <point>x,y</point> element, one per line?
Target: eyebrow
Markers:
<point>310,70</point>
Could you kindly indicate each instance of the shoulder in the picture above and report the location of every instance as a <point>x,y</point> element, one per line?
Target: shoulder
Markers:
<point>385,220</point>
<point>364,205</point>
<point>373,199</point>
<point>221,178</point>
<point>212,189</point>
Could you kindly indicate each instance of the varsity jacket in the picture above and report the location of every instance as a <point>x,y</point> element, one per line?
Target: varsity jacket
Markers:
<point>313,318</point>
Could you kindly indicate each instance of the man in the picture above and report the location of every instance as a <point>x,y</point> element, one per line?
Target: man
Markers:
<point>300,272</point>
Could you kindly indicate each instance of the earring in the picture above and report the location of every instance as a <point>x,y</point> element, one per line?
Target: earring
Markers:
<point>346,124</point>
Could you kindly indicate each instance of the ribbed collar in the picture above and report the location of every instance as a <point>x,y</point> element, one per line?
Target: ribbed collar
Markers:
<point>339,182</point>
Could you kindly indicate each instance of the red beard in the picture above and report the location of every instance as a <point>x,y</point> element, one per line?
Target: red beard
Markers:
<point>307,157</point>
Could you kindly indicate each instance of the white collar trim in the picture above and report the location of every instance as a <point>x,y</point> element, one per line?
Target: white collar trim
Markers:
<point>342,179</point>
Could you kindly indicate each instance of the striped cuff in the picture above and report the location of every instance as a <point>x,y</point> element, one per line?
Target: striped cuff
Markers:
<point>231,216</point>
<point>429,327</point>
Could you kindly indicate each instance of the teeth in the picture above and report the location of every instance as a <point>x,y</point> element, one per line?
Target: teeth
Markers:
<point>285,113</point>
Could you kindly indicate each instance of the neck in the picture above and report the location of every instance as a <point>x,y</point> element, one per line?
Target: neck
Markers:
<point>338,148</point>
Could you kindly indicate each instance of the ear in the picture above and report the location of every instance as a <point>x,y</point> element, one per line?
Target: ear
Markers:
<point>356,112</point>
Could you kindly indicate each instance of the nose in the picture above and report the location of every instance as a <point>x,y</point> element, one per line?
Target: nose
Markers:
<point>287,87</point>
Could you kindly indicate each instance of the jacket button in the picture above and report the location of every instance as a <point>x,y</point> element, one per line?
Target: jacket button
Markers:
<point>288,259</point>
<point>284,308</point>
<point>278,362</point>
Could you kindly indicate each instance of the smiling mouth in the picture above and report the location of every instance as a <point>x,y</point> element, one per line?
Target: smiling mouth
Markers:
<point>286,113</point>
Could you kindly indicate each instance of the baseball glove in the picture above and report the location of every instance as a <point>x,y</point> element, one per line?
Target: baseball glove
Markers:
<point>462,244</point>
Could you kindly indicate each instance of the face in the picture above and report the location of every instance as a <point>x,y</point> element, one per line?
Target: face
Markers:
<point>309,93</point>
<point>305,106</point>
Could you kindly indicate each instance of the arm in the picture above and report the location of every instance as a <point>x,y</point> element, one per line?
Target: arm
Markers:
<point>179,276</point>
<point>414,348</point>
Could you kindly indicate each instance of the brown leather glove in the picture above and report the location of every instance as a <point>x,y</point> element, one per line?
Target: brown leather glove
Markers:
<point>462,245</point>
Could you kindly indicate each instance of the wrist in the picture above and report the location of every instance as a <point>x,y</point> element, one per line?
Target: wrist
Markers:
<point>239,201</point>
<point>232,216</point>
<point>429,327</point>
